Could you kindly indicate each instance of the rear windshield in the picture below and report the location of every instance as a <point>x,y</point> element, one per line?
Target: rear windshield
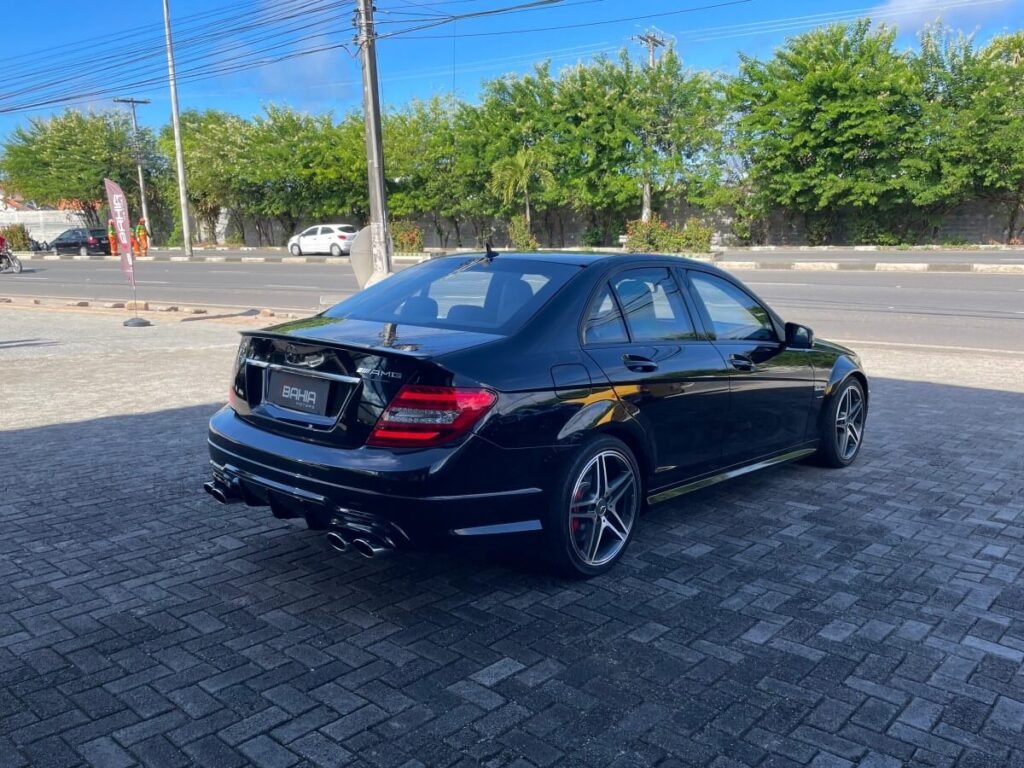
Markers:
<point>475,294</point>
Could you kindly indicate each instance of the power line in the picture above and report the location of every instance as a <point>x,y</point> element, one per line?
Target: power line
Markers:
<point>145,70</point>
<point>558,27</point>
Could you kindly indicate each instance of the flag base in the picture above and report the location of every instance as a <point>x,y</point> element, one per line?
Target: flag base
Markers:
<point>136,322</point>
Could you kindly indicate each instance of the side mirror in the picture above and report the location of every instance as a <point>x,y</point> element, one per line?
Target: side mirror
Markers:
<point>799,336</point>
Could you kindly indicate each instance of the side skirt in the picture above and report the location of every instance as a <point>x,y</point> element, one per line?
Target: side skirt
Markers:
<point>696,485</point>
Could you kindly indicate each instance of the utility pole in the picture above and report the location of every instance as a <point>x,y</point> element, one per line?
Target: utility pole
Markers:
<point>379,236</point>
<point>186,227</point>
<point>652,40</point>
<point>138,155</point>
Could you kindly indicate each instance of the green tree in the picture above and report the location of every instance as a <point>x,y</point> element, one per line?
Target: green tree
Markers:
<point>997,123</point>
<point>63,160</point>
<point>421,163</point>
<point>832,121</point>
<point>215,149</point>
<point>513,177</point>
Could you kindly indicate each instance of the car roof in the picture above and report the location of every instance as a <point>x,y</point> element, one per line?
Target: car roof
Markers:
<point>590,258</point>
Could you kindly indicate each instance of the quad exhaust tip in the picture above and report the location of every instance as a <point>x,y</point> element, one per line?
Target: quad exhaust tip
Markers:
<point>367,546</point>
<point>225,494</point>
<point>337,541</point>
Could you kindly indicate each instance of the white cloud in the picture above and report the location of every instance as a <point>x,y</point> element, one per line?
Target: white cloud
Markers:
<point>911,15</point>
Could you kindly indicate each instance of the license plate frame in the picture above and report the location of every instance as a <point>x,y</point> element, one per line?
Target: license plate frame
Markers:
<point>306,395</point>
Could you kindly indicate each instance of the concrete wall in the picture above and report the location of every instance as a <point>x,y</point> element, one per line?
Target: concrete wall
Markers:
<point>41,225</point>
<point>978,222</point>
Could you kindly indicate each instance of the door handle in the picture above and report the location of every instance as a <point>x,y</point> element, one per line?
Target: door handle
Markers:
<point>639,363</point>
<point>742,363</point>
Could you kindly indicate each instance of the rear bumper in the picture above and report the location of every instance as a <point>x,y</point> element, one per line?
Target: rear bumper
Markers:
<point>472,489</point>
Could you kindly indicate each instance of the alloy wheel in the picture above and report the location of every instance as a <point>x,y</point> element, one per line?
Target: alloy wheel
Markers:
<point>605,502</point>
<point>850,422</point>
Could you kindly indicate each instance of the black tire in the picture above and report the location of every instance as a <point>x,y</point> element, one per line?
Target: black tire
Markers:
<point>83,251</point>
<point>335,250</point>
<point>15,264</point>
<point>836,446</point>
<point>295,249</point>
<point>569,527</point>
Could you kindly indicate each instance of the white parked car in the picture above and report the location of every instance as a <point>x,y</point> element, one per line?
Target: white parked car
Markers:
<point>335,239</point>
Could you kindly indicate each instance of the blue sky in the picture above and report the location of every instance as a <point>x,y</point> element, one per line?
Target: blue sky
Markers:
<point>83,52</point>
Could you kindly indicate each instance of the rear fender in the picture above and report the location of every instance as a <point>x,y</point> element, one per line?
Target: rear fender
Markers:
<point>610,416</point>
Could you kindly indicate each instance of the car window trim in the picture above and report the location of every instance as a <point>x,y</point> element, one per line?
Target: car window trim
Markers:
<point>605,283</point>
<point>625,320</point>
<point>706,317</point>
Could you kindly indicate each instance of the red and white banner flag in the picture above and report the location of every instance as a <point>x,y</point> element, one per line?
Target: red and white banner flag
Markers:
<point>123,224</point>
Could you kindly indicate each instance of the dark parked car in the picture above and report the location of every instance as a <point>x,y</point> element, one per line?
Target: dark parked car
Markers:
<point>84,242</point>
<point>552,395</point>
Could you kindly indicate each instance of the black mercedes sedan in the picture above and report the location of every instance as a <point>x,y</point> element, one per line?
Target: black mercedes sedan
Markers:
<point>544,395</point>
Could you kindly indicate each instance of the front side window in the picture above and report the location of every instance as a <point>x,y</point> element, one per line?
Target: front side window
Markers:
<point>604,321</point>
<point>733,313</point>
<point>653,306</point>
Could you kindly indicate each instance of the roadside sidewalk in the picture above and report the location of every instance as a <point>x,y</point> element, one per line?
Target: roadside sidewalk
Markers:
<point>918,259</point>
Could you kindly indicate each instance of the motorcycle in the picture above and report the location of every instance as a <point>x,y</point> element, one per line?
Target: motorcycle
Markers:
<point>8,261</point>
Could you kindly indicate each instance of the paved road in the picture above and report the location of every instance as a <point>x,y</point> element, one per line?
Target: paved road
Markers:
<point>796,617</point>
<point>935,308</point>
<point>849,255</point>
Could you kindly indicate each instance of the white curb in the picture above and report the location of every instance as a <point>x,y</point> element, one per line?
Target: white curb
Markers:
<point>897,266</point>
<point>815,265</point>
<point>1012,268</point>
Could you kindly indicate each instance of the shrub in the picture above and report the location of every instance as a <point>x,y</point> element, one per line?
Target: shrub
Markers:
<point>646,236</point>
<point>407,236</point>
<point>592,237</point>
<point>658,236</point>
<point>16,236</point>
<point>522,238</point>
<point>696,236</point>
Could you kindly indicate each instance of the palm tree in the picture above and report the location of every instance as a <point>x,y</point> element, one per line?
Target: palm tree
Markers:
<point>516,175</point>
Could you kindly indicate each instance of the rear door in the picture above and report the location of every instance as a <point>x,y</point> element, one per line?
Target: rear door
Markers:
<point>326,239</point>
<point>642,335</point>
<point>772,387</point>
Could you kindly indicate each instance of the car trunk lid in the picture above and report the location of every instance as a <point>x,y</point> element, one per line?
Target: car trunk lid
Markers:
<point>328,380</point>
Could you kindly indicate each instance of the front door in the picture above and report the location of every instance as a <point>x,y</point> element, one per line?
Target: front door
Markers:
<point>641,334</point>
<point>308,240</point>
<point>772,386</point>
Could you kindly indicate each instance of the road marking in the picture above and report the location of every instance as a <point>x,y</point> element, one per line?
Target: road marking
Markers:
<point>152,282</point>
<point>301,287</point>
<point>33,278</point>
<point>795,285</point>
<point>933,347</point>
<point>229,272</point>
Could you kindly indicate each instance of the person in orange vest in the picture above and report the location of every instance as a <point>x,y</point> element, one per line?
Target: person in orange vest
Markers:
<point>135,244</point>
<point>142,236</point>
<point>112,237</point>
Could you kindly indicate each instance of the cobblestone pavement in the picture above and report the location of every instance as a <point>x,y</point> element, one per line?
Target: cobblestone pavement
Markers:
<point>800,616</point>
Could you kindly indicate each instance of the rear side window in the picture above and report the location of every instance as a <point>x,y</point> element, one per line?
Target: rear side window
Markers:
<point>493,296</point>
<point>734,314</point>
<point>604,321</point>
<point>653,306</point>
<point>326,231</point>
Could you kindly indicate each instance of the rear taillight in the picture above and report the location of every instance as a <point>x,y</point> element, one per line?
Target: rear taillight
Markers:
<point>342,237</point>
<point>91,241</point>
<point>427,416</point>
